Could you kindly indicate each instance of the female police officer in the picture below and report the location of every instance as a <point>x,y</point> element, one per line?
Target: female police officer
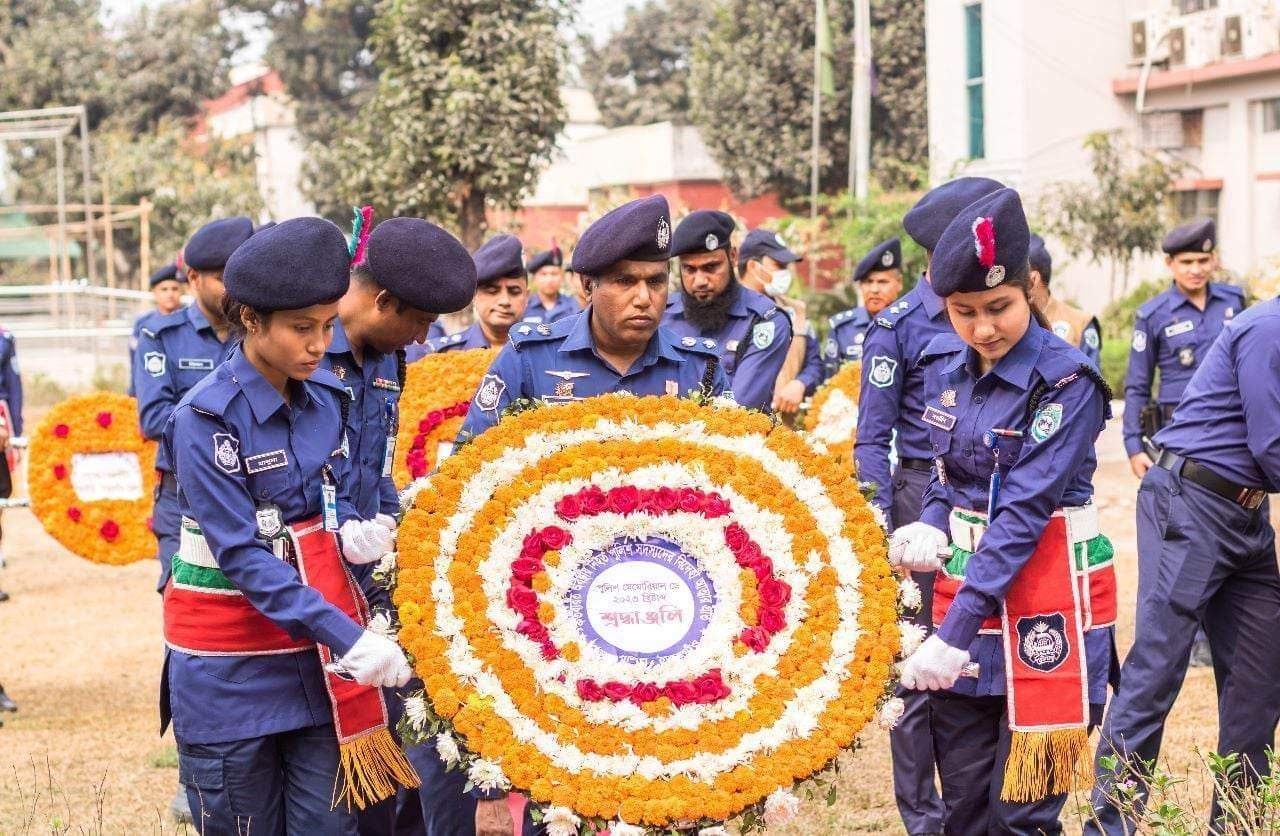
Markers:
<point>263,624</point>
<point>1026,591</point>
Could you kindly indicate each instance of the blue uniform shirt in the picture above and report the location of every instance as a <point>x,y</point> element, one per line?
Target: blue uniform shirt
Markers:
<point>10,381</point>
<point>538,313</point>
<point>144,320</point>
<point>175,352</point>
<point>282,449</point>
<point>892,398</point>
<point>1041,473</point>
<point>559,363</point>
<point>470,337</point>
<point>1229,416</point>
<point>756,331</point>
<point>1172,335</point>
<point>845,339</point>
<point>811,371</point>
<point>416,351</point>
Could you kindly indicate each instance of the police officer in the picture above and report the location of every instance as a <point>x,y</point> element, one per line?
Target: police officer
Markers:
<point>548,303</point>
<point>1071,324</point>
<point>166,291</point>
<point>1013,414</point>
<point>265,631</point>
<point>1206,553</point>
<point>175,352</point>
<point>749,330</point>
<point>1172,333</point>
<point>892,404</point>
<point>879,279</point>
<point>10,413</point>
<point>501,296</point>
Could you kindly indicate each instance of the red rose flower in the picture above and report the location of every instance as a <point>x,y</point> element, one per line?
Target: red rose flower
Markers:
<point>555,538</point>
<point>589,690</point>
<point>419,441</point>
<point>523,569</point>
<point>749,553</point>
<point>644,692</point>
<point>772,619</point>
<point>74,513</point>
<point>680,692</point>
<point>103,419</point>
<point>424,426</point>
<point>534,629</point>
<point>109,531</point>
<point>763,567</point>
<point>624,500</point>
<point>59,471</point>
<point>690,500</point>
<point>549,651</point>
<point>617,691</point>
<point>756,638</point>
<point>593,500</point>
<point>568,507</point>
<point>435,418</point>
<point>666,499</point>
<point>774,593</point>
<point>714,505</point>
<point>522,599</point>
<point>61,430</point>
<point>735,537</point>
<point>710,687</point>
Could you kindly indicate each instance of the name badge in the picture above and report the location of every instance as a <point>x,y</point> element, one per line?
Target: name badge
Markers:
<point>199,363</point>
<point>389,457</point>
<point>266,461</point>
<point>329,500</point>
<point>1179,328</point>
<point>938,418</point>
<point>383,383</point>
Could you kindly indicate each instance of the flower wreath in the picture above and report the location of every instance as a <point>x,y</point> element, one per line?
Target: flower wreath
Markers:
<point>437,392</point>
<point>833,413</point>
<point>533,683</point>
<point>92,477</point>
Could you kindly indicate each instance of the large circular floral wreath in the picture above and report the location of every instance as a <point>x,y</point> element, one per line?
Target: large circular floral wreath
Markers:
<point>92,476</point>
<point>832,417</point>
<point>437,392</point>
<point>791,604</point>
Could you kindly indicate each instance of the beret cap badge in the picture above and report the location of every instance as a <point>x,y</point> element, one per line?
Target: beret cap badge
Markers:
<point>712,241</point>
<point>664,233</point>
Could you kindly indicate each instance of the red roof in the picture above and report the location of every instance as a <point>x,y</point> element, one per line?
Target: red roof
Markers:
<point>265,84</point>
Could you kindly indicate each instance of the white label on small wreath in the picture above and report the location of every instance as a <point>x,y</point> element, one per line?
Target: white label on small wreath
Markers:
<point>99,476</point>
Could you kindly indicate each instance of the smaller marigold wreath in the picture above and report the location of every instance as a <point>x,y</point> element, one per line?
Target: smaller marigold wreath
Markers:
<point>833,414</point>
<point>91,443</point>
<point>437,391</point>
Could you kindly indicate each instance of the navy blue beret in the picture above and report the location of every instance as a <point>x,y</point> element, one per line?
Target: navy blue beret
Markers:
<point>168,272</point>
<point>266,225</point>
<point>547,258</point>
<point>213,243</point>
<point>984,246</point>
<point>1198,236</point>
<point>926,221</point>
<point>702,231</point>
<point>635,231</point>
<point>501,257</point>
<point>887,255</point>
<point>421,265</point>
<point>295,264</point>
<point>1039,259</point>
<point>762,242</point>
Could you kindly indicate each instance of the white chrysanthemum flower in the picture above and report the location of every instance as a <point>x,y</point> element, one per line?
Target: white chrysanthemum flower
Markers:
<point>912,635</point>
<point>879,517</point>
<point>387,564</point>
<point>447,749</point>
<point>409,494</point>
<point>487,775</point>
<point>909,594</point>
<point>718,830</point>
<point>561,821</point>
<point>891,712</point>
<point>780,807</point>
<point>380,623</point>
<point>415,709</point>
<point>621,828</point>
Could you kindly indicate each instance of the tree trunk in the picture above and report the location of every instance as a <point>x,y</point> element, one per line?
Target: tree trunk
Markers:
<point>471,219</point>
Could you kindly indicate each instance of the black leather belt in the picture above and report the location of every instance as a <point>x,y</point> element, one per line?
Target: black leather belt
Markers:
<point>1245,497</point>
<point>915,464</point>
<point>168,481</point>
<point>1166,413</point>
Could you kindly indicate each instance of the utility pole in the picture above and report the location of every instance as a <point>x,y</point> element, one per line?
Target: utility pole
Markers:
<point>860,111</point>
<point>816,128</point>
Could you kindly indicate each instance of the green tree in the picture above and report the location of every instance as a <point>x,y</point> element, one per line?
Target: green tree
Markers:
<point>752,77</point>
<point>1119,216</point>
<point>465,114</point>
<point>640,73</point>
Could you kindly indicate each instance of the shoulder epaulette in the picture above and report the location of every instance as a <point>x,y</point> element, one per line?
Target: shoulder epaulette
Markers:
<point>526,332</point>
<point>147,332</point>
<point>892,315</point>
<point>843,316</point>
<point>1153,304</point>
<point>942,344</point>
<point>212,399</point>
<point>697,345</point>
<point>327,378</point>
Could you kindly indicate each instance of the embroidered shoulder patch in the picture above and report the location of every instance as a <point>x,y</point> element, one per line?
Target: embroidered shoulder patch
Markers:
<point>490,392</point>
<point>883,371</point>
<point>226,452</point>
<point>1139,341</point>
<point>154,363</point>
<point>762,335</point>
<point>1046,422</point>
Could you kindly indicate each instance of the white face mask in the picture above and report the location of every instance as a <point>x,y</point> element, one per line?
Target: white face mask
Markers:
<point>779,282</point>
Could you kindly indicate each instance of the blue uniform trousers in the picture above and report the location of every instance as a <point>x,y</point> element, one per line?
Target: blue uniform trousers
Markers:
<point>400,815</point>
<point>1199,557</point>
<point>447,810</point>
<point>265,786</point>
<point>166,523</point>
<point>911,741</point>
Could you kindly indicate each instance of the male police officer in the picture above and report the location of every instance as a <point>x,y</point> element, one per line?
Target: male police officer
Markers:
<point>713,306</point>
<point>166,291</point>
<point>1071,324</point>
<point>501,297</point>
<point>879,279</point>
<point>1172,333</point>
<point>548,303</point>
<point>1207,552</point>
<point>892,401</point>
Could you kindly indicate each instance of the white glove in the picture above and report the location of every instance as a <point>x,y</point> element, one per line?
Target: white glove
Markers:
<point>935,666</point>
<point>918,547</point>
<point>387,521</point>
<point>374,660</point>
<point>365,541</point>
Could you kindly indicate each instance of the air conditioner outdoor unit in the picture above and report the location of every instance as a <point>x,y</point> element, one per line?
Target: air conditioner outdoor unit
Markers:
<point>1250,27</point>
<point>1177,44</point>
<point>1203,38</point>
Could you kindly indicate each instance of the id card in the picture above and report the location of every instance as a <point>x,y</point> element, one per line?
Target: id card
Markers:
<point>389,457</point>
<point>329,501</point>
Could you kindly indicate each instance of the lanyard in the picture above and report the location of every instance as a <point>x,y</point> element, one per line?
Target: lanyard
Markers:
<point>991,440</point>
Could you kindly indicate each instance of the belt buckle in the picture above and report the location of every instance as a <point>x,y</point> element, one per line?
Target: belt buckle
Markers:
<point>1251,499</point>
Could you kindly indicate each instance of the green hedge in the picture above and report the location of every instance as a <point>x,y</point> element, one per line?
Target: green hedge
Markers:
<point>1115,362</point>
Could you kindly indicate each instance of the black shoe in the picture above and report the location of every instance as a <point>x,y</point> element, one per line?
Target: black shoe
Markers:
<point>180,807</point>
<point>7,704</point>
<point>4,596</point>
<point>1200,655</point>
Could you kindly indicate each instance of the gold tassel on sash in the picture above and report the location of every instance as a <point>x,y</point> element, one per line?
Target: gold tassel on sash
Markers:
<point>1041,764</point>
<point>369,770</point>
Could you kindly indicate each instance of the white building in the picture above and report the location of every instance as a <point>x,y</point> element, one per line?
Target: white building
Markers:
<point>1015,87</point>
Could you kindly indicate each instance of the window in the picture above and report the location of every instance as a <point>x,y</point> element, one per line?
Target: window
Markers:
<point>1196,203</point>
<point>973,80</point>
<point>1186,7</point>
<point>1270,115</point>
